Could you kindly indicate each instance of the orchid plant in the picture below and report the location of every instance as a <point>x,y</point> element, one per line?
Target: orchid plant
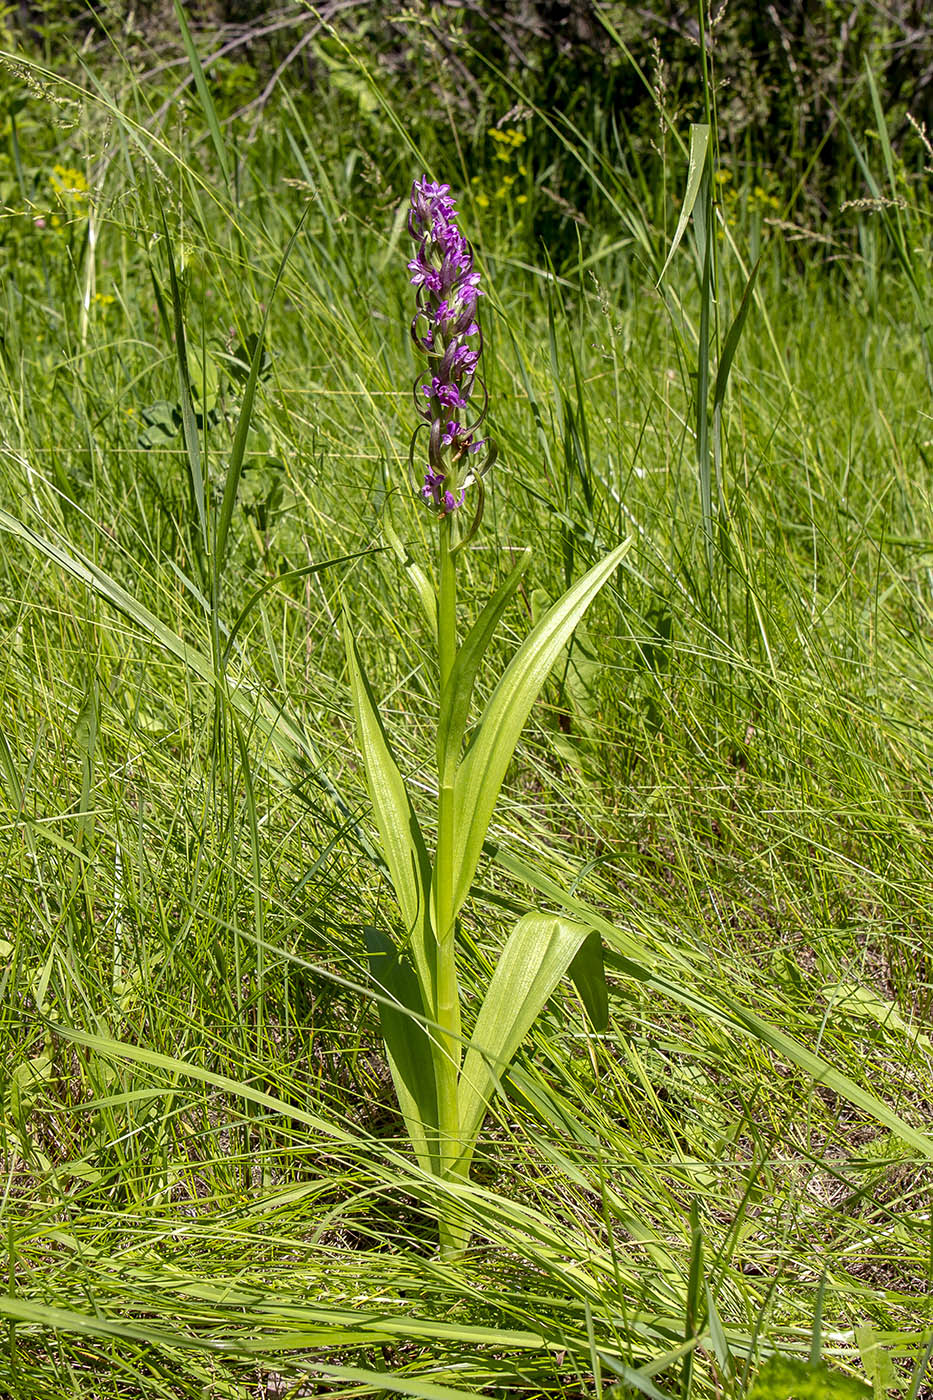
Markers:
<point>444,1093</point>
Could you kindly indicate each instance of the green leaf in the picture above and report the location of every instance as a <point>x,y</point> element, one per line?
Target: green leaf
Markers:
<point>729,348</point>
<point>482,771</point>
<point>588,975</point>
<point>731,343</point>
<point>877,1362</point>
<point>455,701</point>
<point>400,835</point>
<point>787,1378</point>
<point>642,966</point>
<point>696,164</point>
<point>408,1045</point>
<point>538,953</point>
<point>717,1335</point>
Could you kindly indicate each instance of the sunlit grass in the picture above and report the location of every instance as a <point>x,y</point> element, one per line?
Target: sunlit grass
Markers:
<point>733,772</point>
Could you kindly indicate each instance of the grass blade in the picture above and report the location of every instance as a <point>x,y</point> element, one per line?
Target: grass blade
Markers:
<point>204,95</point>
<point>235,469</point>
<point>696,167</point>
<point>189,422</point>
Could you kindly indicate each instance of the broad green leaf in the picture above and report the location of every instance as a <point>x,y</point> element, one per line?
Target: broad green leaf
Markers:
<point>538,953</point>
<point>784,1376</point>
<point>643,967</point>
<point>400,835</point>
<point>696,164</point>
<point>854,1000</point>
<point>408,1045</point>
<point>455,701</point>
<point>482,771</point>
<point>578,668</point>
<point>588,975</point>
<point>729,348</point>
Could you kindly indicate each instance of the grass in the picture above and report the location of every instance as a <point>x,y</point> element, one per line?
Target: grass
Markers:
<point>205,1187</point>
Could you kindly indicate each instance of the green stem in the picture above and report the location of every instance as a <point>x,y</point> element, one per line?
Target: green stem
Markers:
<point>447,1047</point>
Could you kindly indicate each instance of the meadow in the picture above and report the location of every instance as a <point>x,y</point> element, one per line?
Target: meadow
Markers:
<point>205,415</point>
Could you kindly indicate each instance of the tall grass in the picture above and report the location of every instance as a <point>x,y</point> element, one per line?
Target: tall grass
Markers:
<point>205,1188</point>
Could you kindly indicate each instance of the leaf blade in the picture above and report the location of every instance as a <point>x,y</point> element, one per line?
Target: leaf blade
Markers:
<point>203,91</point>
<point>696,163</point>
<point>455,701</point>
<point>481,774</point>
<point>588,974</point>
<point>408,1046</point>
<point>536,956</point>
<point>400,835</point>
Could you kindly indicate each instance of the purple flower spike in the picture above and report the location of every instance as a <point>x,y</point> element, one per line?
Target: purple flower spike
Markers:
<point>446,290</point>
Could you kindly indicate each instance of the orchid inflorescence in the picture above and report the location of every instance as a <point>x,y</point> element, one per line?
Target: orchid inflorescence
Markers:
<point>446,329</point>
<point>445,1077</point>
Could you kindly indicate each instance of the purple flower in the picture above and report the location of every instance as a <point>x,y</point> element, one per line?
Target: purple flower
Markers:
<point>460,359</point>
<point>447,289</point>
<point>446,393</point>
<point>431,207</point>
<point>433,491</point>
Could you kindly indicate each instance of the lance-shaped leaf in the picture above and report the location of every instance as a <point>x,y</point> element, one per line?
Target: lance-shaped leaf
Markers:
<point>696,165</point>
<point>588,975</point>
<point>400,835</point>
<point>455,701</point>
<point>408,1045</point>
<point>483,769</point>
<point>664,976</point>
<point>539,952</point>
